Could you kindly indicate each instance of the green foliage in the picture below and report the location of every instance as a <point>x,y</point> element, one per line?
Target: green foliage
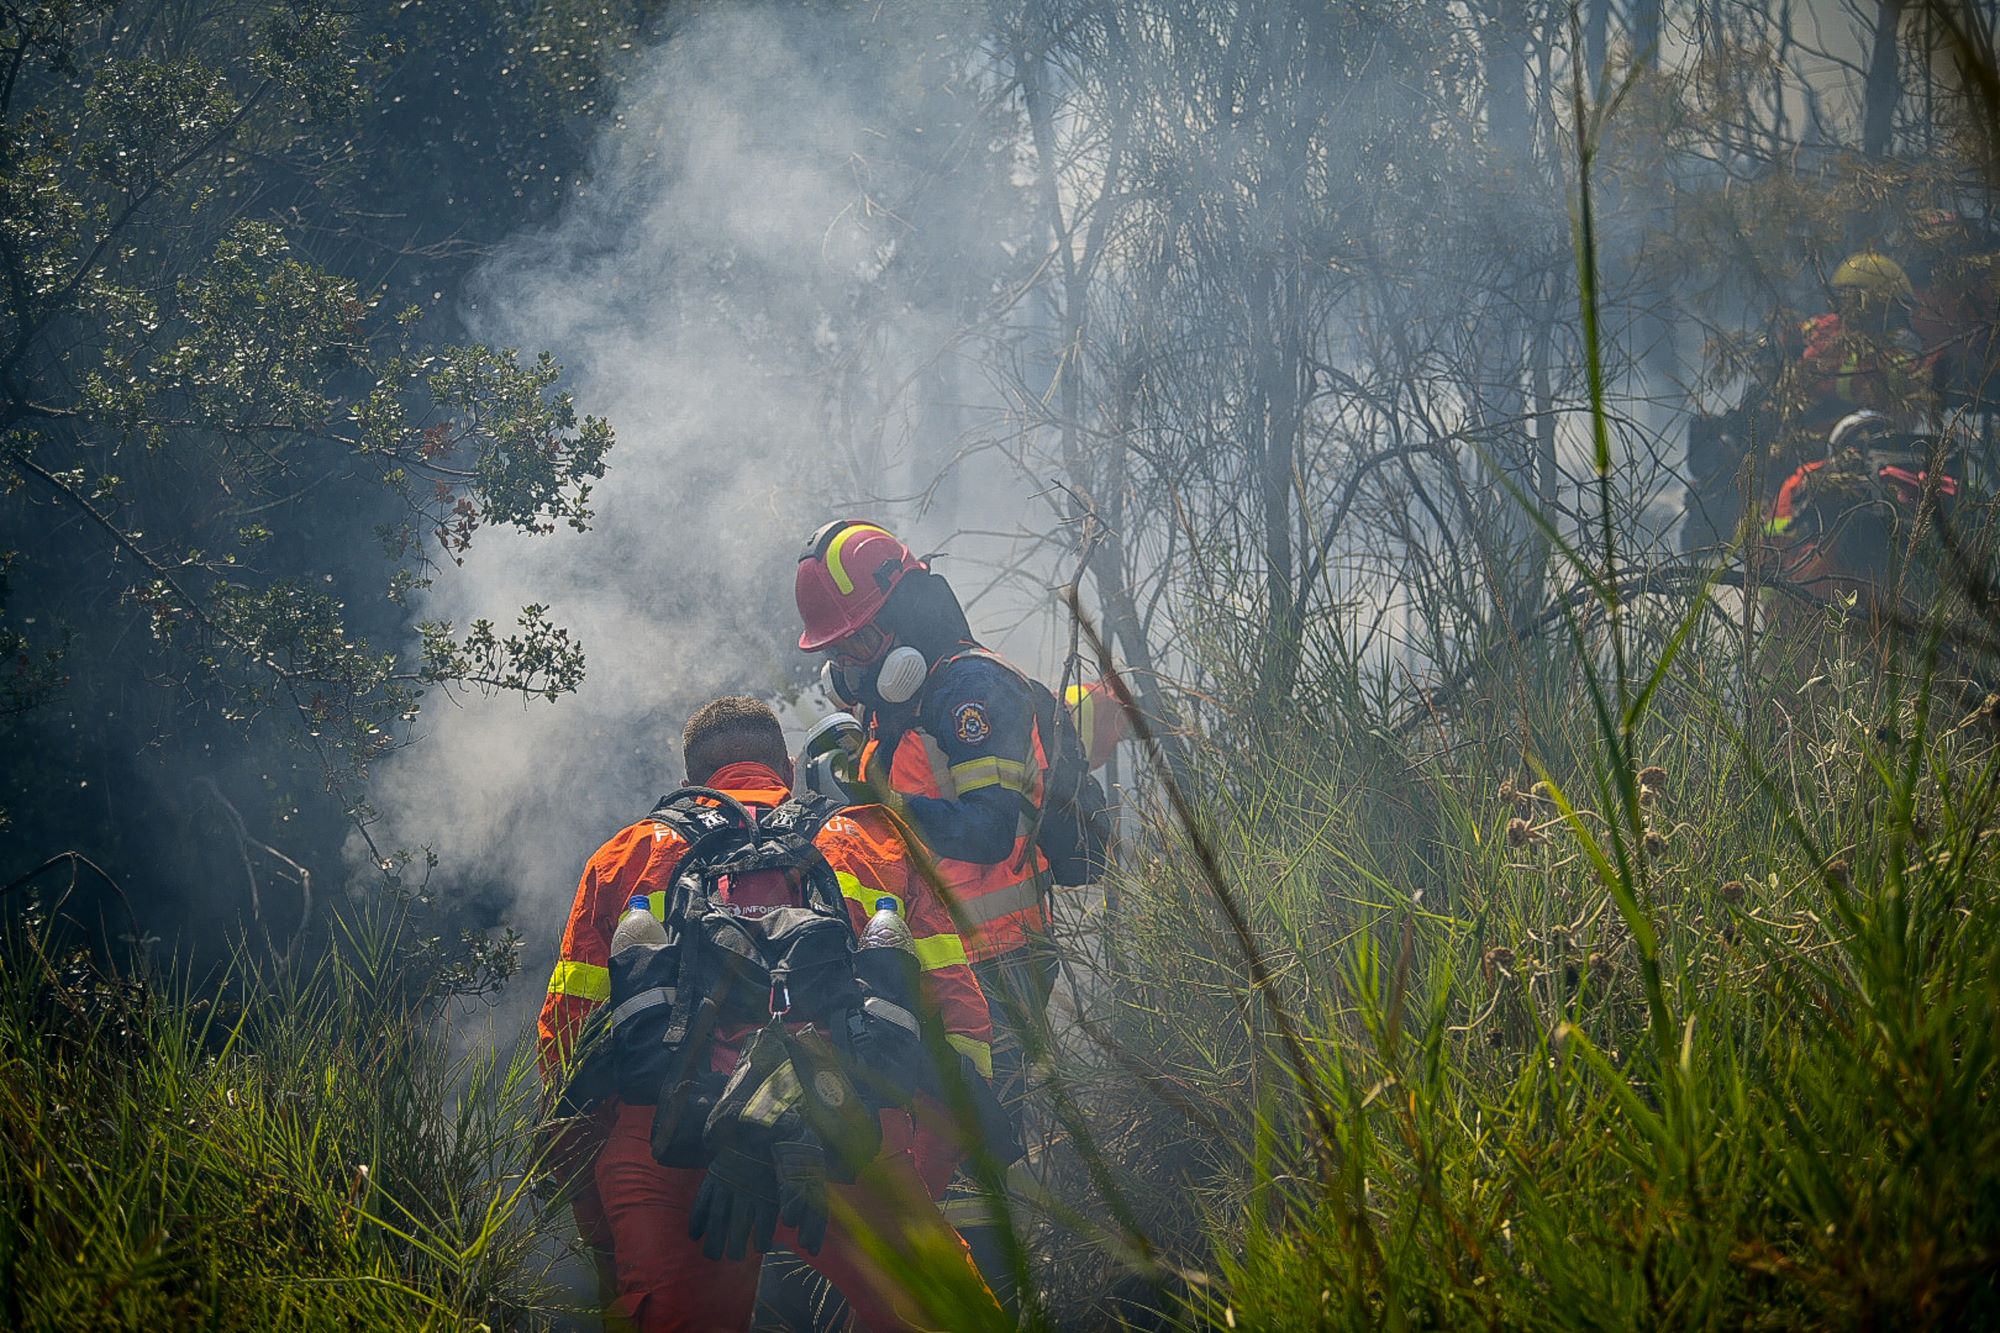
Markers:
<point>1809,908</point>
<point>201,397</point>
<point>292,1147</point>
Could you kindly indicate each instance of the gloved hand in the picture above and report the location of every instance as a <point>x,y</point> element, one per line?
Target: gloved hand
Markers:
<point>862,787</point>
<point>736,1209</point>
<point>800,1167</point>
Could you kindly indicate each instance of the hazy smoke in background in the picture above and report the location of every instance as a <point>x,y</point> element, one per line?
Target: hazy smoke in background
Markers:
<point>706,291</point>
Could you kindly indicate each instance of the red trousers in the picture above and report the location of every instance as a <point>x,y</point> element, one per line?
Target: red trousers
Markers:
<point>667,1285</point>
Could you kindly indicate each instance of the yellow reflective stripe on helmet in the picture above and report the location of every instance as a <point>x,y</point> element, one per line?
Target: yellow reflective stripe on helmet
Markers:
<point>840,540</point>
<point>993,771</point>
<point>1083,711</point>
<point>936,951</point>
<point>854,890</point>
<point>583,981</point>
<point>973,1049</point>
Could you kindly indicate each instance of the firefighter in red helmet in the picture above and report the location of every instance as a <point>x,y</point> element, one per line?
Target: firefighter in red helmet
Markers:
<point>955,743</point>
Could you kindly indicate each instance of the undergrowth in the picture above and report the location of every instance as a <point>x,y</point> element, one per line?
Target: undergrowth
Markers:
<point>1735,1071</point>
<point>290,1147</point>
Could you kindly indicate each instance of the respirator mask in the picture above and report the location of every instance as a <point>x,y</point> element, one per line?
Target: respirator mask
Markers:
<point>895,680</point>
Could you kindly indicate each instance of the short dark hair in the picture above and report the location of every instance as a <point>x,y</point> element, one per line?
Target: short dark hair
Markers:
<point>732,730</point>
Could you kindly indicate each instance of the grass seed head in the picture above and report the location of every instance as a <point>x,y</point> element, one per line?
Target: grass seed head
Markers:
<point>1656,842</point>
<point>1523,833</point>
<point>1733,892</point>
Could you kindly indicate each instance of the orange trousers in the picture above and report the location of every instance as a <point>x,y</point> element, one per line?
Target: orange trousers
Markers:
<point>667,1285</point>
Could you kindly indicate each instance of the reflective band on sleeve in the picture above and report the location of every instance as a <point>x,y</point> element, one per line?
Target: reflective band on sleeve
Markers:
<point>933,951</point>
<point>936,951</point>
<point>640,1003</point>
<point>992,771</point>
<point>584,981</point>
<point>855,891</point>
<point>990,907</point>
<point>979,1052</point>
<point>877,1007</point>
<point>969,1214</point>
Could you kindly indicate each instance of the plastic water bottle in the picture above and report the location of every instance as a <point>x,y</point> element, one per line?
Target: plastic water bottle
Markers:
<point>639,926</point>
<point>887,967</point>
<point>887,930</point>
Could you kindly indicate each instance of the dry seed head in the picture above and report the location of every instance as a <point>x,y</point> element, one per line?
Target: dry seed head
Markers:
<point>1656,842</point>
<point>1733,892</point>
<point>1507,793</point>
<point>1522,833</point>
<point>1653,778</point>
<point>1837,872</point>
<point>1496,960</point>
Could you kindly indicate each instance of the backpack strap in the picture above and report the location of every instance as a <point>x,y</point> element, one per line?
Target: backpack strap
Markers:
<point>708,821</point>
<point>786,842</point>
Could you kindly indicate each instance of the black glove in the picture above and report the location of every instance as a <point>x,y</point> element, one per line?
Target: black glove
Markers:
<point>800,1167</point>
<point>736,1209</point>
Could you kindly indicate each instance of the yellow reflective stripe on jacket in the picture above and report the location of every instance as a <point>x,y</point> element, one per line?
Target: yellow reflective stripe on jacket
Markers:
<point>583,981</point>
<point>986,908</point>
<point>933,951</point>
<point>936,951</point>
<point>854,890</point>
<point>993,771</point>
<point>975,1050</point>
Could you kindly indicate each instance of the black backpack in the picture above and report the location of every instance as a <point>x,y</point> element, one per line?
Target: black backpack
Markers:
<point>1074,829</point>
<point>718,968</point>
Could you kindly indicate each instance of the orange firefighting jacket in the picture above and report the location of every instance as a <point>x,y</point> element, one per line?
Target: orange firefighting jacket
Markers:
<point>868,857</point>
<point>1844,368</point>
<point>999,905</point>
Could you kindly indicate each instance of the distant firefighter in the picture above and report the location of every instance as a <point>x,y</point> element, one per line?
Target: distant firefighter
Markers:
<point>1840,522</point>
<point>1863,354</point>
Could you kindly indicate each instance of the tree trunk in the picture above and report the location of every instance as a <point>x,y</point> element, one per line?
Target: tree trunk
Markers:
<point>1884,87</point>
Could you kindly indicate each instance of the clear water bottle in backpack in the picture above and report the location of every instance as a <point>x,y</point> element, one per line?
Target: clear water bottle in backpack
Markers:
<point>887,929</point>
<point>637,927</point>
<point>886,963</point>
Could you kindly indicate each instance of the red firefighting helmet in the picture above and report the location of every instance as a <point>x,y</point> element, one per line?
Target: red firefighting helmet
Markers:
<point>846,574</point>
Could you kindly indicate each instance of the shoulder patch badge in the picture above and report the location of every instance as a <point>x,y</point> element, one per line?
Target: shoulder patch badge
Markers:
<point>968,720</point>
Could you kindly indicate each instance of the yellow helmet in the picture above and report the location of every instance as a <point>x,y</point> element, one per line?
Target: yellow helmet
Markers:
<point>1875,275</point>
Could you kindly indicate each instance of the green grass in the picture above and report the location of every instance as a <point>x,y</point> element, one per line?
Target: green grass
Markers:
<point>1742,1075</point>
<point>286,1149</point>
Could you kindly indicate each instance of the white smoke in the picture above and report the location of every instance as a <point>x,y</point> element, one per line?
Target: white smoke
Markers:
<point>730,281</point>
